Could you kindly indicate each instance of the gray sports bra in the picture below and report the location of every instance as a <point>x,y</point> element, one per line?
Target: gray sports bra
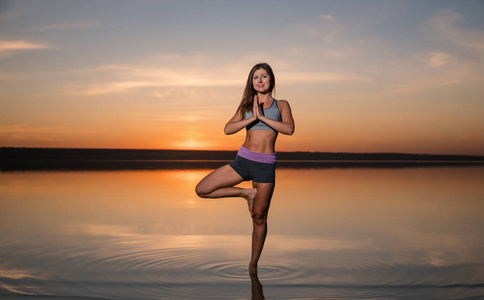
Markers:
<point>272,113</point>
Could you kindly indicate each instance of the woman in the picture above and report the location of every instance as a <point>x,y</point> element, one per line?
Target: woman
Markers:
<point>263,117</point>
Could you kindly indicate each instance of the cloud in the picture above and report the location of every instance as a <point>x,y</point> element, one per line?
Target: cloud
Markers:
<point>116,87</point>
<point>444,26</point>
<point>129,78</point>
<point>315,53</point>
<point>455,61</point>
<point>318,77</point>
<point>141,77</point>
<point>66,26</point>
<point>10,47</point>
<point>438,59</point>
<point>444,19</point>
<point>326,17</point>
<point>325,27</point>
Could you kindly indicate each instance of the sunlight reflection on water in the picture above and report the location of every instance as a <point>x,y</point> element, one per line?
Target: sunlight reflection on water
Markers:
<point>341,233</point>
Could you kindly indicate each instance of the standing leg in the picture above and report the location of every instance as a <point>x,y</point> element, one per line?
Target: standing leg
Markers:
<point>259,221</point>
<point>220,184</point>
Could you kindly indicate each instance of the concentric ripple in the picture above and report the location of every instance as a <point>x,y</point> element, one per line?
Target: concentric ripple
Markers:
<point>238,271</point>
<point>137,268</point>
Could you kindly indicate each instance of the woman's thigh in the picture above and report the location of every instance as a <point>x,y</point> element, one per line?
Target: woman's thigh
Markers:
<point>222,177</point>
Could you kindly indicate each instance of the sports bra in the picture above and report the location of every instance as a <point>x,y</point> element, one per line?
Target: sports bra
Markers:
<point>272,112</point>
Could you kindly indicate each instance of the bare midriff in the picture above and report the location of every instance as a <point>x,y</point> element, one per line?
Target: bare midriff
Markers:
<point>261,141</point>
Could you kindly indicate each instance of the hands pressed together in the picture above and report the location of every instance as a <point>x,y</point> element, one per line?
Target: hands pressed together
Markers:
<point>257,111</point>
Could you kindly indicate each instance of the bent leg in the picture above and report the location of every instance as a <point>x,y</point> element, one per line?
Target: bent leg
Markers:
<point>259,221</point>
<point>220,184</point>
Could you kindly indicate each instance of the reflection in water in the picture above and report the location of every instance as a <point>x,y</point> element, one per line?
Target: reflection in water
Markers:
<point>257,291</point>
<point>338,233</point>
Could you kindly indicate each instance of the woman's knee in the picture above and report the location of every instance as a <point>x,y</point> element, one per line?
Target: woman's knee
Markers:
<point>201,190</point>
<point>259,217</point>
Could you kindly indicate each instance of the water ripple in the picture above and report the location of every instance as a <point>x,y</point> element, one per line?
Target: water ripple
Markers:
<point>141,270</point>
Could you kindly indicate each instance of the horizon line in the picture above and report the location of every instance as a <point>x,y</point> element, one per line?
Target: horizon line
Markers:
<point>205,150</point>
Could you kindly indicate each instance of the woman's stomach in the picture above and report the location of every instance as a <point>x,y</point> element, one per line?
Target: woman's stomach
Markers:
<point>261,141</point>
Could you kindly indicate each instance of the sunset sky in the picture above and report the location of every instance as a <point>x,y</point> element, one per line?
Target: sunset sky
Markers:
<point>360,76</point>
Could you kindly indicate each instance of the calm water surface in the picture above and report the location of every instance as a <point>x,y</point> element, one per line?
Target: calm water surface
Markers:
<point>414,233</point>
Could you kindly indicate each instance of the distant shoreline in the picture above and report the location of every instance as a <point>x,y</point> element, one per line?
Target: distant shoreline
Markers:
<point>17,159</point>
<point>140,154</point>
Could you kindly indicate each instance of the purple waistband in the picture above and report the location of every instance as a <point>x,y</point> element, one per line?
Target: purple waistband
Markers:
<point>266,158</point>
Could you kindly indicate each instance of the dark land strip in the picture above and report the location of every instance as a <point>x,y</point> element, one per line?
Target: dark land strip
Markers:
<point>25,159</point>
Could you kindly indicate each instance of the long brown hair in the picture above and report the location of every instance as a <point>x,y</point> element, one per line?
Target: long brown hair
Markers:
<point>247,102</point>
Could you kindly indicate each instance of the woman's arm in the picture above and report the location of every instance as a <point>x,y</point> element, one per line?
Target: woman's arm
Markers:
<point>237,122</point>
<point>286,126</point>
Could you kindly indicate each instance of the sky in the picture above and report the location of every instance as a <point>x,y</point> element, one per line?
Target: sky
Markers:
<point>360,76</point>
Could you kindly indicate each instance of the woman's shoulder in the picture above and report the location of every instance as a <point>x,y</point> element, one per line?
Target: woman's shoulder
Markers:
<point>283,103</point>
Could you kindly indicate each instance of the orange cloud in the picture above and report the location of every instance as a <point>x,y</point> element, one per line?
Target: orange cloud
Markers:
<point>440,59</point>
<point>135,77</point>
<point>10,47</point>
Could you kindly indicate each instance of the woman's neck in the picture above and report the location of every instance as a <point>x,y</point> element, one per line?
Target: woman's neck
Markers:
<point>264,98</point>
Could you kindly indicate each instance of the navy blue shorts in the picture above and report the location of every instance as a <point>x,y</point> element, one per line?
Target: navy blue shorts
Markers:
<point>255,171</point>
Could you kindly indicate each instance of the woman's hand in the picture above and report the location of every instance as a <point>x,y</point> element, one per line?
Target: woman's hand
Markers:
<point>256,110</point>
<point>237,122</point>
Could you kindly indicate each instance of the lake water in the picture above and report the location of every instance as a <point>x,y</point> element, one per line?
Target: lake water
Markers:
<point>334,233</point>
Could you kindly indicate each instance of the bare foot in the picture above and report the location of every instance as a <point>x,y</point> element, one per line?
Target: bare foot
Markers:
<point>250,199</point>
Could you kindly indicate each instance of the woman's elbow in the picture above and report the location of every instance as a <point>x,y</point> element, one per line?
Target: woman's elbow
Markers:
<point>228,131</point>
<point>289,131</point>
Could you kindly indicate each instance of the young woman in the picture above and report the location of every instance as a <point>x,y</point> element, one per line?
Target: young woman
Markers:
<point>263,117</point>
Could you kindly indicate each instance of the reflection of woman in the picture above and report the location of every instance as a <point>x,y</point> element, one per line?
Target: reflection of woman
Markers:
<point>263,117</point>
<point>256,286</point>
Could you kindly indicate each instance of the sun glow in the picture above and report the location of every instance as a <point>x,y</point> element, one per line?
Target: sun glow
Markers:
<point>190,144</point>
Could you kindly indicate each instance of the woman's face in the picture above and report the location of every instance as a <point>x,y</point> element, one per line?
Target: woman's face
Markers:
<point>261,81</point>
